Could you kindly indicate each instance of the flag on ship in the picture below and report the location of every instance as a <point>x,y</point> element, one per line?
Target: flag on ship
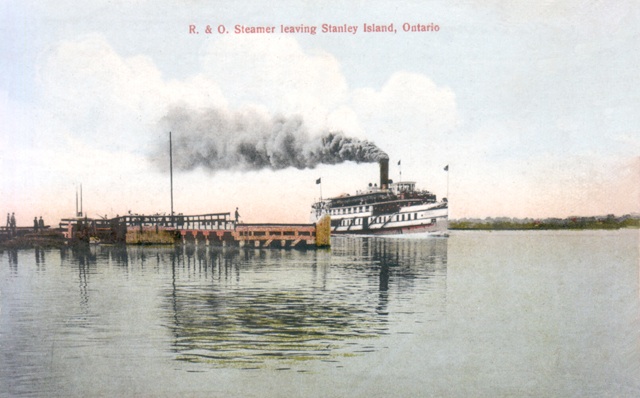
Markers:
<point>446,168</point>
<point>319,180</point>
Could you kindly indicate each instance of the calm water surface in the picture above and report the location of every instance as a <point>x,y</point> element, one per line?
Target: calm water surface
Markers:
<point>483,314</point>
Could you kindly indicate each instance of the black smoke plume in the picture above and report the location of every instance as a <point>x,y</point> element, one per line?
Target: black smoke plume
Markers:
<point>220,140</point>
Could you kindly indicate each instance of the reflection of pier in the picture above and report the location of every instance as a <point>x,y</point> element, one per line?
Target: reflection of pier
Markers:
<point>205,229</point>
<point>262,324</point>
<point>255,308</point>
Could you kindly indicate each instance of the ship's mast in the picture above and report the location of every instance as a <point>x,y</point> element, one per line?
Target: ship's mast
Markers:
<point>171,174</point>
<point>79,212</point>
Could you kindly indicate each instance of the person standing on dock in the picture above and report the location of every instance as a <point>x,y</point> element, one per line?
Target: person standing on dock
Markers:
<point>237,216</point>
<point>8,221</point>
<point>41,223</point>
<point>12,223</point>
<point>35,224</point>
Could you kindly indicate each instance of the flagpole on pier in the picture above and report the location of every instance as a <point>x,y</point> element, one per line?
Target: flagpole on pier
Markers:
<point>446,168</point>
<point>319,181</point>
<point>171,175</point>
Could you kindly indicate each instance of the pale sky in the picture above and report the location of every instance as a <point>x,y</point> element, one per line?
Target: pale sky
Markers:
<point>535,107</point>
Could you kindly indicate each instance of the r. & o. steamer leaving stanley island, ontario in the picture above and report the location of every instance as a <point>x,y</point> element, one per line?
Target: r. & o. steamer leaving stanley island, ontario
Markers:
<point>391,208</point>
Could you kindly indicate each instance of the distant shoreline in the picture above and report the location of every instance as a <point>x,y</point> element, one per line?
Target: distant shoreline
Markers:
<point>527,224</point>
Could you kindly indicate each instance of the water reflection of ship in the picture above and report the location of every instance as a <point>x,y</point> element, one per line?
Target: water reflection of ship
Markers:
<point>243,320</point>
<point>403,267</point>
<point>255,308</point>
<point>226,309</point>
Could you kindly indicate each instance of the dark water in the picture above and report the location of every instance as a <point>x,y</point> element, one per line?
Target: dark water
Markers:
<point>552,314</point>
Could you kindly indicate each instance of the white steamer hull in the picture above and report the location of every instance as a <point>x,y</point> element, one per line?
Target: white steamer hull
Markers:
<point>408,221</point>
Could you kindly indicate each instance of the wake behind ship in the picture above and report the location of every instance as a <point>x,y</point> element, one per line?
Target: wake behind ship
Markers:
<point>391,208</point>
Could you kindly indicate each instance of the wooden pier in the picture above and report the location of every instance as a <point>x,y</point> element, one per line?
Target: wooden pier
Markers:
<point>205,229</point>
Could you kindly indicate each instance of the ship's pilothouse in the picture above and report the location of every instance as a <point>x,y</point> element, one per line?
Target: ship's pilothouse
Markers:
<point>404,186</point>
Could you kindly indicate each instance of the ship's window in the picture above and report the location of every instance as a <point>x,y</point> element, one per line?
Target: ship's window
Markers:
<point>415,216</point>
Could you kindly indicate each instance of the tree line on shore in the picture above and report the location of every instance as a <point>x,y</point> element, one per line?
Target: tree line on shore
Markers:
<point>609,221</point>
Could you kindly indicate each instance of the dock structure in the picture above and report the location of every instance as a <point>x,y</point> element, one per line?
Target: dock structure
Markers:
<point>204,229</point>
<point>276,235</point>
<point>6,233</point>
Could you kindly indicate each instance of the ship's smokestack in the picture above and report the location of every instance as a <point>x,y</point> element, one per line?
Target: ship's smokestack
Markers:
<point>384,173</point>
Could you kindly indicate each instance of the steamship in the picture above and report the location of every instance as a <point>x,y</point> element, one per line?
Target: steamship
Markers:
<point>391,208</point>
